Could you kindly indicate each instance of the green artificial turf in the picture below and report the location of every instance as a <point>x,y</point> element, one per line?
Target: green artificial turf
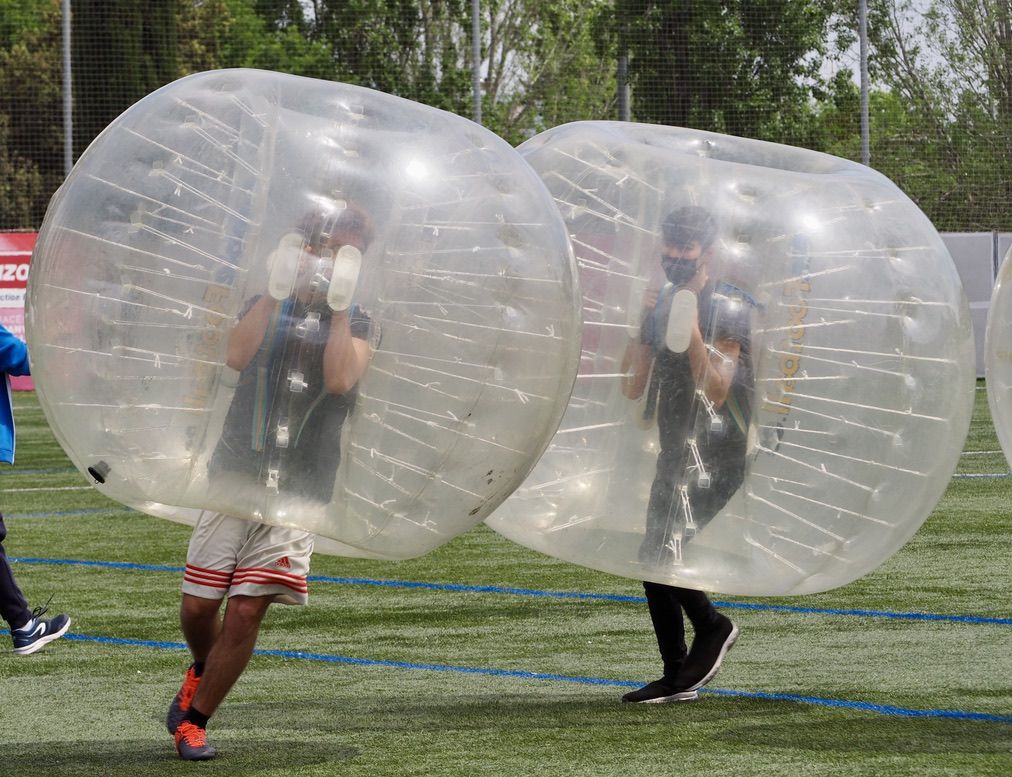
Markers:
<point>418,679</point>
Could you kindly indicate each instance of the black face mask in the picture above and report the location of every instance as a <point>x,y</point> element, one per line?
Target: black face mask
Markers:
<point>679,271</point>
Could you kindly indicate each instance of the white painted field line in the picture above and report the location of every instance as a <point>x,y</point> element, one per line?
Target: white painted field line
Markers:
<point>61,488</point>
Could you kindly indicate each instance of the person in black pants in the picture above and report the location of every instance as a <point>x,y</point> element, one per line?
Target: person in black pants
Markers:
<point>693,358</point>
<point>29,630</point>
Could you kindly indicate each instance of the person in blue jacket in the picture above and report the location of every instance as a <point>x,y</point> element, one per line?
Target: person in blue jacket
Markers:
<point>29,630</point>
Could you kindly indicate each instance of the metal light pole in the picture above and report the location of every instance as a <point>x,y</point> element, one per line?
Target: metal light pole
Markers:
<point>476,58</point>
<point>68,102</point>
<point>622,77</point>
<point>862,31</point>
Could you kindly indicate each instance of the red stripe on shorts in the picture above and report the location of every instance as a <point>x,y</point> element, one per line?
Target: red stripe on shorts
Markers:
<point>206,583</point>
<point>258,579</point>
<point>207,577</point>
<point>269,571</point>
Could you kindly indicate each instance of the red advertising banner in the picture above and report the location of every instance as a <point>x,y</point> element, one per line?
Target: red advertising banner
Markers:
<point>15,256</point>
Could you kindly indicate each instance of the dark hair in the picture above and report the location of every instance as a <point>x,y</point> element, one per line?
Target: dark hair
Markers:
<point>321,228</point>
<point>687,225</point>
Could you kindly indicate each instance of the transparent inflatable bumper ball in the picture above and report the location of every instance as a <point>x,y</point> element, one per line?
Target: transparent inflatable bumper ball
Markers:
<point>777,365</point>
<point>307,304</point>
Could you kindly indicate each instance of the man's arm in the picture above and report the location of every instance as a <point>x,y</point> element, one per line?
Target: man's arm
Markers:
<point>713,370</point>
<point>345,357</point>
<point>638,356</point>
<point>636,368</point>
<point>248,333</point>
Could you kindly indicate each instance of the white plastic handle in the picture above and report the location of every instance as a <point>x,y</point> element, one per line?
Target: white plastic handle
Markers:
<point>347,265</point>
<point>681,319</point>
<point>284,264</point>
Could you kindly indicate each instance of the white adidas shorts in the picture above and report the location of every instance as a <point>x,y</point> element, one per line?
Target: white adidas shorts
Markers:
<point>237,557</point>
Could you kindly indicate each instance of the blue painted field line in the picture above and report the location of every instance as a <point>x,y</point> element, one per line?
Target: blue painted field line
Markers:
<point>860,706</point>
<point>908,616</point>
<point>916,616</point>
<point>982,475</point>
<point>72,562</point>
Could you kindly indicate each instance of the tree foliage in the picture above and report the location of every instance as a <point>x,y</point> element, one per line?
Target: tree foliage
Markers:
<point>31,99</point>
<point>122,50</point>
<point>21,185</point>
<point>941,106</point>
<point>418,49</point>
<point>21,17</point>
<point>947,137</point>
<point>742,67</point>
<point>548,63</point>
<point>217,34</point>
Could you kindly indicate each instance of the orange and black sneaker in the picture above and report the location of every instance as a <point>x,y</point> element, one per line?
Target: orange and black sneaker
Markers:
<point>191,743</point>
<point>183,700</point>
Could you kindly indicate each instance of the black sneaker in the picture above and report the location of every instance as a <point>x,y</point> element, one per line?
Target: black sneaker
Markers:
<point>659,692</point>
<point>38,632</point>
<point>708,650</point>
<point>191,743</point>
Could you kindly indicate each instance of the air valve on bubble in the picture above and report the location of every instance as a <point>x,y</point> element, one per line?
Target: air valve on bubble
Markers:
<point>297,382</point>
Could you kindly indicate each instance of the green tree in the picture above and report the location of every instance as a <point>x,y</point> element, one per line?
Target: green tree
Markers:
<point>20,17</point>
<point>838,113</point>
<point>743,67</point>
<point>21,186</point>
<point>31,110</point>
<point>949,63</point>
<point>280,14</point>
<point>122,50</point>
<point>231,33</point>
<point>416,49</point>
<point>547,64</point>
<point>544,63</point>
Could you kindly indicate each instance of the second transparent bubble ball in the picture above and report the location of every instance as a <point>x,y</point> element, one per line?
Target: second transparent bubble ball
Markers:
<point>782,420</point>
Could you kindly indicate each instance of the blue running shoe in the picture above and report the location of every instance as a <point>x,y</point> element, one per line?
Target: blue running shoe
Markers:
<point>38,632</point>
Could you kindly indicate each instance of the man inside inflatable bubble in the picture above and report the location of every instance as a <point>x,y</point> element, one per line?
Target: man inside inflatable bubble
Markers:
<point>299,349</point>
<point>693,360</point>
